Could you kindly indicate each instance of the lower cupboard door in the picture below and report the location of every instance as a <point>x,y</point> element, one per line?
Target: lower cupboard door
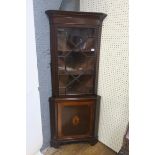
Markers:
<point>75,118</point>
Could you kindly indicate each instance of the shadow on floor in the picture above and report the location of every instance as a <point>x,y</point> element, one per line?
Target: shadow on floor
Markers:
<point>81,149</point>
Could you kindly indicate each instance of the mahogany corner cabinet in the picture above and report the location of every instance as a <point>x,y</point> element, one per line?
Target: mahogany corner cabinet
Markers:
<point>74,105</point>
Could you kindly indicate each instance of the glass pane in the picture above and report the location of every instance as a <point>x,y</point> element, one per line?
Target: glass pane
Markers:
<point>90,67</point>
<point>61,65</point>
<point>64,80</point>
<point>62,91</point>
<point>79,84</point>
<point>76,39</point>
<point>82,85</point>
<point>62,40</point>
<point>75,61</point>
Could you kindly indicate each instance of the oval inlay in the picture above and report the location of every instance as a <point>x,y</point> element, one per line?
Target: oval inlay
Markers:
<point>75,120</point>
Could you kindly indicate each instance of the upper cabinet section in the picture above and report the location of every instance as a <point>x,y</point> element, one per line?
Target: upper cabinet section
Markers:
<point>75,43</point>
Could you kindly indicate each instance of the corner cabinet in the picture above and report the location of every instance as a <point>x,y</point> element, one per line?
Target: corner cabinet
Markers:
<point>74,105</point>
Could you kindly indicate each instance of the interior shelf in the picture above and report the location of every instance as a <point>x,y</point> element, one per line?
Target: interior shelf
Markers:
<point>91,72</point>
<point>85,53</point>
<point>75,84</point>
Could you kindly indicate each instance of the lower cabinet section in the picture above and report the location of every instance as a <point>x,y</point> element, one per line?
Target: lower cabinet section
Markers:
<point>74,120</point>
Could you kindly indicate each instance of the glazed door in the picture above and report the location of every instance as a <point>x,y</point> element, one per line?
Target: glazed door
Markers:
<point>75,118</point>
<point>76,57</point>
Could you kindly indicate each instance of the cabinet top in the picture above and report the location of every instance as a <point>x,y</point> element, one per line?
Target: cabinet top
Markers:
<point>68,16</point>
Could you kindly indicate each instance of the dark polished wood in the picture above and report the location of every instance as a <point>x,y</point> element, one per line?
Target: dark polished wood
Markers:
<point>78,122</point>
<point>74,105</point>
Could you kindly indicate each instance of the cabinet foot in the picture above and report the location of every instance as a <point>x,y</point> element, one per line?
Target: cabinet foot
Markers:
<point>93,142</point>
<point>55,144</point>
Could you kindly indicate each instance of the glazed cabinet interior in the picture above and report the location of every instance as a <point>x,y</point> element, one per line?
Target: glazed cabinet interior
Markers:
<point>76,60</point>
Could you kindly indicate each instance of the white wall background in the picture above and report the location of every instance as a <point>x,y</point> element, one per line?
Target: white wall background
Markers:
<point>34,138</point>
<point>113,70</point>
